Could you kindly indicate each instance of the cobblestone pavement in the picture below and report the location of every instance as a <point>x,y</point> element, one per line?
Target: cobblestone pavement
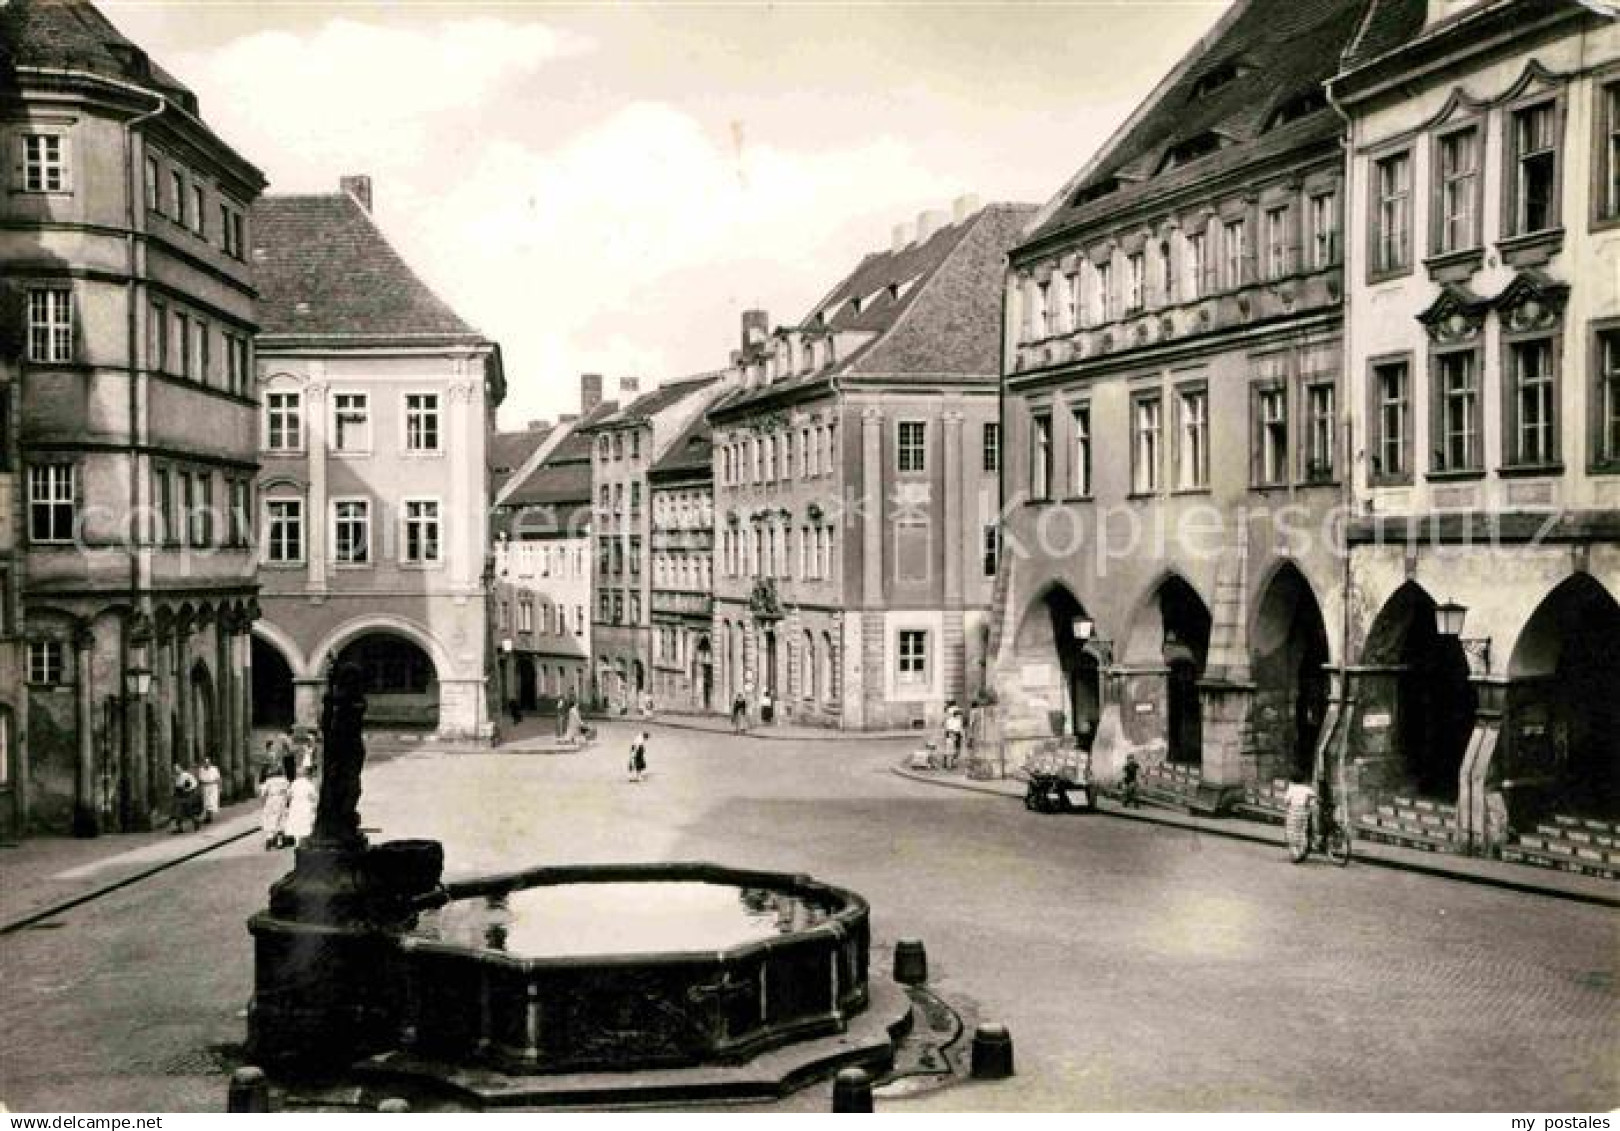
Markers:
<point>1139,967</point>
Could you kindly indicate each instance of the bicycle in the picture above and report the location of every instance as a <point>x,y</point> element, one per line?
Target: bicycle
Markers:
<point>1308,829</point>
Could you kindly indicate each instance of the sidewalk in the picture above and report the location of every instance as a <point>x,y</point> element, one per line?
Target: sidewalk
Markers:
<point>43,875</point>
<point>774,732</point>
<point>1469,869</point>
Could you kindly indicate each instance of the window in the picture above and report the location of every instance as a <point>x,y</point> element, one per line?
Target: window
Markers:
<point>351,531</point>
<point>153,202</point>
<point>805,468</point>
<point>47,662</point>
<point>1320,432</point>
<point>1608,201</point>
<point>241,508</point>
<point>284,531</point>
<point>526,615</point>
<point>202,514</point>
<point>351,422</point>
<point>157,338</point>
<point>1457,411</point>
<point>913,657</point>
<point>1606,403</point>
<point>1147,438</point>
<point>991,447</point>
<point>51,509</point>
<point>1234,249</point>
<point>1532,426</point>
<point>180,356</point>
<point>635,445</point>
<point>913,445</point>
<point>1392,422</point>
<point>1165,279</point>
<point>177,196</point>
<point>1192,447</point>
<point>1276,242</point>
<point>1105,292</point>
<point>1271,419</point>
<point>421,531</point>
<point>44,163</point>
<point>199,351</point>
<point>1071,301</point>
<point>1324,230</point>
<point>1040,316</point>
<point>188,506</point>
<point>50,324</point>
<point>1457,191</point>
<point>1134,280</point>
<point>1040,466</point>
<point>163,528</point>
<point>1392,218</point>
<point>990,549</point>
<point>1080,473</point>
<point>238,362</point>
<point>421,422</point>
<point>1533,176</point>
<point>199,211</point>
<point>1192,284</point>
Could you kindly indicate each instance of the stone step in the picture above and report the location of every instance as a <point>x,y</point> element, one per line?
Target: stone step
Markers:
<point>1425,805</point>
<point>1522,853</point>
<point>1577,836</point>
<point>1380,830</point>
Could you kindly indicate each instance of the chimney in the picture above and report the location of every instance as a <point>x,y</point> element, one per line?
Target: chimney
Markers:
<point>359,187</point>
<point>964,206</point>
<point>629,387</point>
<point>902,237</point>
<point>590,391</point>
<point>928,223</point>
<point>756,328</point>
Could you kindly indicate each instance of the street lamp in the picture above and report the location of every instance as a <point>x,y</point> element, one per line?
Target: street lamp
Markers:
<point>1083,628</point>
<point>1449,618</point>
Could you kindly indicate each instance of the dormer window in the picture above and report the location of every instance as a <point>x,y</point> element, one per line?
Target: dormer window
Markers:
<point>1212,80</point>
<point>1102,188</point>
<point>1190,150</point>
<point>1299,106</point>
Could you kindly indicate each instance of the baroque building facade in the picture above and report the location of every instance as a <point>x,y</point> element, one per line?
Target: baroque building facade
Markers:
<point>376,401</point>
<point>130,311</point>
<point>855,484</point>
<point>682,567</point>
<point>1174,391</point>
<point>1484,365</point>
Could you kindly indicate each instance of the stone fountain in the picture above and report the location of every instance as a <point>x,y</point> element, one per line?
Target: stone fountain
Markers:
<point>601,983</point>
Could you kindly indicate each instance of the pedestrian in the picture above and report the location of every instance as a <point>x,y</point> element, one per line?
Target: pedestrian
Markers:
<point>562,716</point>
<point>187,801</point>
<point>955,724</point>
<point>739,713</point>
<point>270,759</point>
<point>767,707</point>
<point>289,764</point>
<point>515,711</point>
<point>638,756</point>
<point>300,809</point>
<point>208,778</point>
<point>576,724</point>
<point>1133,772</point>
<point>273,806</point>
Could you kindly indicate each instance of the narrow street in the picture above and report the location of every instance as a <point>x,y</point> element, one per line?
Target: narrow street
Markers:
<point>1139,968</point>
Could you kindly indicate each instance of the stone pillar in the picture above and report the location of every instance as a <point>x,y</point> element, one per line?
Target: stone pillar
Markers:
<point>1225,706</point>
<point>136,814</point>
<point>315,519</point>
<point>245,779</point>
<point>1373,766</point>
<point>463,546</point>
<point>182,690</point>
<point>872,509</point>
<point>86,818</point>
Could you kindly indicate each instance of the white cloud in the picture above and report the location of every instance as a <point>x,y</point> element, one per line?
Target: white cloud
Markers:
<point>356,95</point>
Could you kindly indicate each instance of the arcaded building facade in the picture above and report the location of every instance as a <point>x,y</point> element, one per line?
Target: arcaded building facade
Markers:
<point>375,404</point>
<point>1484,369</point>
<point>128,430</point>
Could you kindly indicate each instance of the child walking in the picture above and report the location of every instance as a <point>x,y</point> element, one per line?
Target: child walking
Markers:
<point>638,757</point>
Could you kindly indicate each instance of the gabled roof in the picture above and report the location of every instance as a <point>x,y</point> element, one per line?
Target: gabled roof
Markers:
<point>691,451</point>
<point>325,270</point>
<point>654,401</point>
<point>937,315</point>
<point>1387,25</point>
<point>1249,89</point>
<point>508,451</point>
<point>564,477</point>
<point>74,35</point>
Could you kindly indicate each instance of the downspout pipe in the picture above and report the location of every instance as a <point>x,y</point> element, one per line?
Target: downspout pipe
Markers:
<point>1351,459</point>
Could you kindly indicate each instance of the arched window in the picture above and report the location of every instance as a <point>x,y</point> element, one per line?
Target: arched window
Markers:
<point>810,661</point>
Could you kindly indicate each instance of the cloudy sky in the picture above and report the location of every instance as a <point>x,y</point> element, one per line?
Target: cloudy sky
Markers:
<point>604,188</point>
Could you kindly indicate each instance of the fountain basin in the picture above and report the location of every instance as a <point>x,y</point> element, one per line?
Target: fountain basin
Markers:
<point>629,966</point>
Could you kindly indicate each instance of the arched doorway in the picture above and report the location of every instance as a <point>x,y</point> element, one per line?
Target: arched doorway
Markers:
<point>1288,658</point>
<point>1434,702</point>
<point>527,684</point>
<point>705,673</point>
<point>204,734</point>
<point>640,676</point>
<point>1050,633</point>
<point>1564,701</point>
<point>272,687</point>
<point>1184,624</point>
<point>768,658</point>
<point>401,683</point>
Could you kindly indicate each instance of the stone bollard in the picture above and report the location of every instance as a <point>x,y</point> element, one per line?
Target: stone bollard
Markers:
<point>910,962</point>
<point>852,1091</point>
<point>394,1106</point>
<point>992,1052</point>
<point>249,1092</point>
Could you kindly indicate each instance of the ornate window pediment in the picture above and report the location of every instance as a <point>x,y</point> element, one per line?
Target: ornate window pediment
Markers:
<point>1456,315</point>
<point>1533,300</point>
